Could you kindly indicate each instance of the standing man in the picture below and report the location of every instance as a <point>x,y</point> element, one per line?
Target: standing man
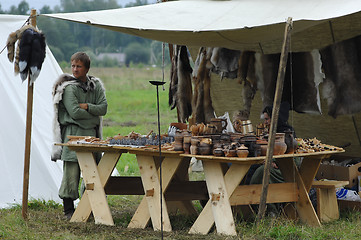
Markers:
<point>79,104</point>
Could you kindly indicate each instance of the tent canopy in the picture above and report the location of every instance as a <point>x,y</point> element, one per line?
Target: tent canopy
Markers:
<point>255,25</point>
<point>45,175</point>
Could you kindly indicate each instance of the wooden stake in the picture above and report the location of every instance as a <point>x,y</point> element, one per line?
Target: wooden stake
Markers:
<point>274,119</point>
<point>29,113</point>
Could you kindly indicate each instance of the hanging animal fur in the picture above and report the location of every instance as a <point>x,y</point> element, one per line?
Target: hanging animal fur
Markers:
<point>173,84</point>
<point>342,88</point>
<point>184,89</point>
<point>202,102</point>
<point>30,51</point>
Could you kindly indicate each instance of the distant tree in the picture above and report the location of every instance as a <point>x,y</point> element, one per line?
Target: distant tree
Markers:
<point>137,53</point>
<point>46,10</point>
<point>23,8</point>
<point>137,3</point>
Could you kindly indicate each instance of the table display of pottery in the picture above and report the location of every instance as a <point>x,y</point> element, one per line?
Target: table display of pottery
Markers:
<point>211,139</point>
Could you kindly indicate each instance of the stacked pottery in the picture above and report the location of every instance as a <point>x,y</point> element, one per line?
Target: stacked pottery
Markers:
<point>186,141</point>
<point>194,145</point>
<point>218,149</point>
<point>205,146</point>
<point>178,141</point>
<point>242,151</point>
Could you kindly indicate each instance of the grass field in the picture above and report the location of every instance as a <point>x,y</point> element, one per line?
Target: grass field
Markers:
<point>132,107</point>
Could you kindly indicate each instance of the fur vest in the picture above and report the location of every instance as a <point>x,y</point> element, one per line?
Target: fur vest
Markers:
<point>58,90</point>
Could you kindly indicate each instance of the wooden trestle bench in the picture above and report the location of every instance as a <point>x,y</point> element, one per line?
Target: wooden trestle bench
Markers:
<point>327,207</point>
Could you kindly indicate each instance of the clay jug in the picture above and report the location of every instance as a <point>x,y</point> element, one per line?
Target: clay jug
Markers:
<point>291,142</point>
<point>263,145</point>
<point>280,146</point>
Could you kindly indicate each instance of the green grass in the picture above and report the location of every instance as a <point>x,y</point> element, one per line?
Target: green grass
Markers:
<point>132,107</point>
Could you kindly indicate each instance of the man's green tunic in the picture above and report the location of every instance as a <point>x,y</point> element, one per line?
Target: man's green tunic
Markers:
<point>79,122</point>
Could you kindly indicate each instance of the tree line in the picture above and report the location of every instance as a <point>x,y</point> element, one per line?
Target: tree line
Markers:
<point>65,37</point>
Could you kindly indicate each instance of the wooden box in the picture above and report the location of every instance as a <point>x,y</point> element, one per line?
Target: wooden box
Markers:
<point>341,173</point>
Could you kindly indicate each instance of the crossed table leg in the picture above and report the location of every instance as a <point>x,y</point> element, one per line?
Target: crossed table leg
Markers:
<point>150,207</point>
<point>95,177</point>
<point>220,188</point>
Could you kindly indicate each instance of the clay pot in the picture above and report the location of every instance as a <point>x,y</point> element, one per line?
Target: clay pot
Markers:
<point>263,145</point>
<point>280,146</point>
<point>205,150</point>
<point>291,142</point>
<point>186,147</point>
<point>230,152</point>
<point>242,151</point>
<point>218,152</point>
<point>193,149</point>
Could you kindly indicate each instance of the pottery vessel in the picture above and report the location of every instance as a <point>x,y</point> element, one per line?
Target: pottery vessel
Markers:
<point>280,146</point>
<point>205,150</point>
<point>263,145</point>
<point>291,142</point>
<point>242,151</point>
<point>218,152</point>
<point>230,152</point>
<point>193,149</point>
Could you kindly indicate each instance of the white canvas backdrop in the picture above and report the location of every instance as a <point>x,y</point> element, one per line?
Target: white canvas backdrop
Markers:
<point>255,25</point>
<point>45,175</point>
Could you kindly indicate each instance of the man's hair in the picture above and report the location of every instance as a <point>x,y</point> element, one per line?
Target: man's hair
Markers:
<point>83,57</point>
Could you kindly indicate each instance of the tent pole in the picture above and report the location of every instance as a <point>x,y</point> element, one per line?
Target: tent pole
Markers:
<point>28,134</point>
<point>274,120</point>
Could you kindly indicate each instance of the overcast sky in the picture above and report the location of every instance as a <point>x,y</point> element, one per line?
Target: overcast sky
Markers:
<point>38,4</point>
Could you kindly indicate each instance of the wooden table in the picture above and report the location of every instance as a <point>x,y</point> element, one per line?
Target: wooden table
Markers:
<point>223,186</point>
<point>224,189</point>
<point>98,183</point>
<point>95,178</point>
<point>154,202</point>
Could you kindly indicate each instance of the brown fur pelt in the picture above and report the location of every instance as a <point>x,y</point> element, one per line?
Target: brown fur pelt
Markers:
<point>202,102</point>
<point>198,95</point>
<point>184,89</point>
<point>247,76</point>
<point>173,85</point>
<point>342,88</point>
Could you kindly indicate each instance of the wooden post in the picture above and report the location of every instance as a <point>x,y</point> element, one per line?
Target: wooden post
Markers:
<point>29,113</point>
<point>274,120</point>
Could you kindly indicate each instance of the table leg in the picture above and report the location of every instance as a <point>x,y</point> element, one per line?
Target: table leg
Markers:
<point>104,169</point>
<point>304,206</point>
<point>216,182</point>
<point>150,205</point>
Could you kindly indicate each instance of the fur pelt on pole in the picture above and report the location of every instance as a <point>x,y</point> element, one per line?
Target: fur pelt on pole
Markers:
<point>202,102</point>
<point>342,87</point>
<point>30,51</point>
<point>184,89</point>
<point>173,84</point>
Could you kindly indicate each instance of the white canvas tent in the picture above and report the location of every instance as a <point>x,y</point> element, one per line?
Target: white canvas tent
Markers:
<point>45,175</point>
<point>255,25</point>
